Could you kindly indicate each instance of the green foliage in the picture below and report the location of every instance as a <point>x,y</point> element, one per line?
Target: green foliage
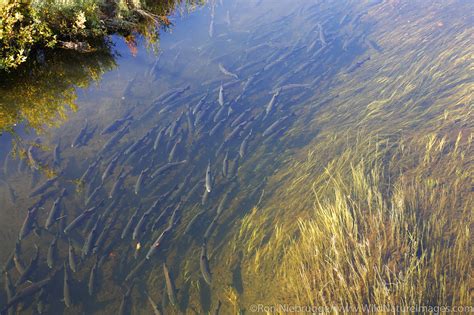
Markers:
<point>20,29</point>
<point>73,20</point>
<point>25,24</point>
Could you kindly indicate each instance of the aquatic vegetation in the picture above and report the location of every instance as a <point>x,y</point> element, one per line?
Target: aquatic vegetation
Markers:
<point>377,209</point>
<point>374,235</point>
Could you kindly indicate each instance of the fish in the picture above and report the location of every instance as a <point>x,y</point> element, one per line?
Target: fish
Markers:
<point>274,62</point>
<point>154,306</point>
<point>110,167</point>
<point>239,119</point>
<point>43,187</point>
<point>271,104</point>
<point>66,287</point>
<point>72,258</point>
<point>227,72</point>
<point>130,223</point>
<point>140,179</point>
<point>218,126</point>
<point>21,166</point>
<point>210,229</point>
<point>8,285</point>
<point>173,151</point>
<point>110,207</point>
<point>154,66</point>
<point>26,292</point>
<point>116,137</point>
<point>85,176</point>
<point>202,115</point>
<point>174,216</point>
<point>234,133</point>
<point>143,220</point>
<point>175,93</point>
<point>357,65</point>
<point>131,150</point>
<point>124,304</point>
<point>343,19</point>
<point>219,114</point>
<point>28,223</point>
<point>80,218</point>
<point>159,219</point>
<point>88,136</point>
<point>94,194</point>
<point>9,289</point>
<point>211,28</point>
<point>40,306</point>
<point>208,177</point>
<point>227,18</point>
<point>234,167</point>
<point>118,184</point>
<point>62,223</point>
<point>92,280</point>
<point>172,128</point>
<point>200,103</point>
<point>166,167</point>
<point>205,197</point>
<point>273,127</point>
<point>20,267</point>
<point>223,203</point>
<point>57,155</point>
<point>78,140</point>
<point>322,38</point>
<point>244,145</point>
<point>134,271</point>
<point>100,240</point>
<point>8,264</point>
<point>225,164</point>
<point>374,45</point>
<point>170,288</point>
<point>190,121</point>
<point>217,308</point>
<point>55,210</point>
<point>204,265</point>
<point>116,124</point>
<point>154,247</point>
<point>158,139</point>
<point>90,222</point>
<point>50,259</point>
<point>6,164</point>
<point>90,240</point>
<point>107,251</point>
<point>291,86</point>
<point>193,221</point>
<point>221,96</point>
<point>33,265</point>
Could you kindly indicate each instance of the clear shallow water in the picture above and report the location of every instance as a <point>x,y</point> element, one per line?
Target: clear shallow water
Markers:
<point>224,94</point>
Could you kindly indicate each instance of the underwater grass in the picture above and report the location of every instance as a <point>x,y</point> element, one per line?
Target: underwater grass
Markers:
<point>377,209</point>
<point>371,240</point>
<point>364,247</point>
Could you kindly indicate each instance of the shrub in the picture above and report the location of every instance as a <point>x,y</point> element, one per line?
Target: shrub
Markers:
<point>20,29</point>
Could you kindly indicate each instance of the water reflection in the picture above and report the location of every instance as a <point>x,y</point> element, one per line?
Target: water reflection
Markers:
<point>39,95</point>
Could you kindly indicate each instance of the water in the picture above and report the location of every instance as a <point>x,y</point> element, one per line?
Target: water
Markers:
<point>235,85</point>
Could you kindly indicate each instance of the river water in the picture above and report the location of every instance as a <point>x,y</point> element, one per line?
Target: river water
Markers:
<point>167,149</point>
